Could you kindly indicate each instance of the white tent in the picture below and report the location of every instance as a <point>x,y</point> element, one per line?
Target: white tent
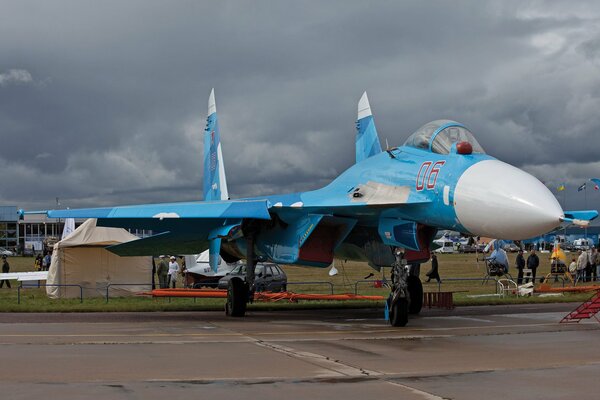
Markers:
<point>81,259</point>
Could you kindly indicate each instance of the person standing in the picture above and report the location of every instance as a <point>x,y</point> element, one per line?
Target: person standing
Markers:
<point>46,261</point>
<point>173,272</point>
<point>38,262</point>
<point>520,265</point>
<point>594,263</point>
<point>582,262</point>
<point>433,272</point>
<point>597,262</point>
<point>533,261</point>
<point>183,273</point>
<point>5,270</point>
<point>589,269</point>
<point>573,267</point>
<point>163,272</point>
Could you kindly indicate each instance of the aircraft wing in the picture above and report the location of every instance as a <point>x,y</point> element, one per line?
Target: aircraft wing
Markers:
<point>181,228</point>
<point>209,209</point>
<point>192,227</point>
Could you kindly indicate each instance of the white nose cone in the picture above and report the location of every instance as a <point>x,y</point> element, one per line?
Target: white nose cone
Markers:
<point>497,200</point>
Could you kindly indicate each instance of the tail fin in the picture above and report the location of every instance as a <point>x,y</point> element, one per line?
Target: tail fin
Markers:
<point>367,141</point>
<point>215,184</point>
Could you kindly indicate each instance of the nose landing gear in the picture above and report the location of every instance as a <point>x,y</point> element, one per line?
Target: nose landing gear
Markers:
<point>406,296</point>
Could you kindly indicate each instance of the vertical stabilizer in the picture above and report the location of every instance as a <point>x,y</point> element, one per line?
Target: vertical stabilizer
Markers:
<point>367,141</point>
<point>215,183</point>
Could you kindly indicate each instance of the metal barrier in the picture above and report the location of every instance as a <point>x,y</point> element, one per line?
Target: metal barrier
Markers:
<point>51,285</point>
<point>124,284</point>
<point>313,283</point>
<point>484,279</point>
<point>383,282</point>
<point>556,278</point>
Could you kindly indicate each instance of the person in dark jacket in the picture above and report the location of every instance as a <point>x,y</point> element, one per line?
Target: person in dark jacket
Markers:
<point>5,270</point>
<point>533,262</point>
<point>433,272</point>
<point>520,265</point>
<point>162,271</point>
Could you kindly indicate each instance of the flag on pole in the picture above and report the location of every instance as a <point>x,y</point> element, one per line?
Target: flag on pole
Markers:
<point>582,187</point>
<point>596,183</point>
<point>561,187</point>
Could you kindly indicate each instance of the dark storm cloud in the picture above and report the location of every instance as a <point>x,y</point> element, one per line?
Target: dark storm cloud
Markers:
<point>110,101</point>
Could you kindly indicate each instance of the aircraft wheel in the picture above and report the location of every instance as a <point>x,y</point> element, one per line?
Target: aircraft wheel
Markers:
<point>399,313</point>
<point>415,290</point>
<point>237,296</point>
<point>283,288</point>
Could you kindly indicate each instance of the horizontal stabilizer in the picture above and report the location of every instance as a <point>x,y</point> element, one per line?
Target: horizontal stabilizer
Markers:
<point>163,243</point>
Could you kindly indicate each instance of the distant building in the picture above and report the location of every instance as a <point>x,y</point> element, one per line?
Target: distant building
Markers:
<point>35,232</point>
<point>9,232</point>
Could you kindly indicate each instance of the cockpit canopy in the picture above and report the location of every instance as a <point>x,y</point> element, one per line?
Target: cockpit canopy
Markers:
<point>439,136</point>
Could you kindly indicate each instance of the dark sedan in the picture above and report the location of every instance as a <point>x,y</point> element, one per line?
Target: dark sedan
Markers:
<point>268,277</point>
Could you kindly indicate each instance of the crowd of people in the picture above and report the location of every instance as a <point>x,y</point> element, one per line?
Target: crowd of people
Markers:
<point>586,266</point>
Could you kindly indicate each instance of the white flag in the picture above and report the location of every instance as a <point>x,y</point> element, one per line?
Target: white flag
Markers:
<point>69,228</point>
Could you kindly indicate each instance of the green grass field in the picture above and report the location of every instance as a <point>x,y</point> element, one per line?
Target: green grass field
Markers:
<point>450,266</point>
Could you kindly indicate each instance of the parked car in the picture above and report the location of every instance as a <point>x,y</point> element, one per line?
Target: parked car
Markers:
<point>511,248</point>
<point>5,252</point>
<point>268,277</point>
<point>467,248</point>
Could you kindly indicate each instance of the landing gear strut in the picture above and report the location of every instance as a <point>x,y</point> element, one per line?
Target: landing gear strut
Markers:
<point>239,293</point>
<point>398,302</point>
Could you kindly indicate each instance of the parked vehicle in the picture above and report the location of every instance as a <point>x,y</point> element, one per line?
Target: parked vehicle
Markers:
<point>200,274</point>
<point>269,277</point>
<point>467,248</point>
<point>511,248</point>
<point>5,252</point>
<point>445,247</point>
<point>582,244</point>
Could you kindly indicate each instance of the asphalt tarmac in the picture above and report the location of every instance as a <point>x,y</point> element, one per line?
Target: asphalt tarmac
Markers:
<point>491,352</point>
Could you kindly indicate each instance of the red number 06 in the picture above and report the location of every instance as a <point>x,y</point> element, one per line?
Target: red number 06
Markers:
<point>427,176</point>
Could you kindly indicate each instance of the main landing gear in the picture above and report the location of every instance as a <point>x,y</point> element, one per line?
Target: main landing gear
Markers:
<point>407,293</point>
<point>240,292</point>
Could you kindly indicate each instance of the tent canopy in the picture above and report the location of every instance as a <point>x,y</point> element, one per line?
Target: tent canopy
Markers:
<point>81,259</point>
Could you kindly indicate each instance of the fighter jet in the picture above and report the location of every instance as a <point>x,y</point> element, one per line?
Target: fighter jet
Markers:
<point>385,210</point>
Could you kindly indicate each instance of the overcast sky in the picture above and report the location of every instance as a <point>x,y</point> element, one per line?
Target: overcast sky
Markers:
<point>104,103</point>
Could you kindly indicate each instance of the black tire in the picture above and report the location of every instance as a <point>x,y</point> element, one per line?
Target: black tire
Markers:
<point>399,313</point>
<point>284,288</point>
<point>415,289</point>
<point>237,296</point>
